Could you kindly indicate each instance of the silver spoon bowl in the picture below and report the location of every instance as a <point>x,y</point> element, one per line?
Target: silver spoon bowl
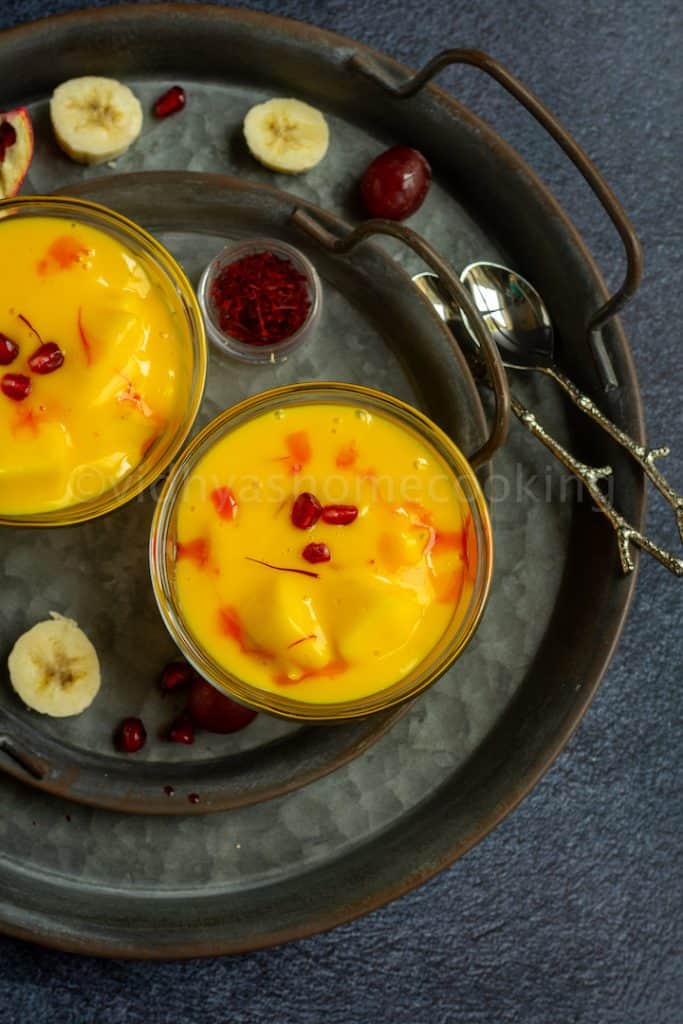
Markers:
<point>521,327</point>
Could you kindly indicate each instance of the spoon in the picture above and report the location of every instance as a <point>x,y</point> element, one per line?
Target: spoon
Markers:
<point>520,325</point>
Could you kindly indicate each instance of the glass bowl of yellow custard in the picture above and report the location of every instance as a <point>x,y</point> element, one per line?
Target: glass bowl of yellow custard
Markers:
<point>102,360</point>
<point>321,551</point>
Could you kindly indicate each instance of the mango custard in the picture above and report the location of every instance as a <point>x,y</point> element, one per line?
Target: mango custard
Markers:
<point>90,356</point>
<point>322,551</point>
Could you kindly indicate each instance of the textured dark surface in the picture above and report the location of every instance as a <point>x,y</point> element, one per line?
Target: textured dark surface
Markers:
<point>571,910</point>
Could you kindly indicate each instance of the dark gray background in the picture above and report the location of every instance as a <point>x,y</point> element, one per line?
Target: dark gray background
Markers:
<point>571,911</point>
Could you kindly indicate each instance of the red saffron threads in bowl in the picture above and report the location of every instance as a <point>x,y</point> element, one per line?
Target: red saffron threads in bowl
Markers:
<point>261,299</point>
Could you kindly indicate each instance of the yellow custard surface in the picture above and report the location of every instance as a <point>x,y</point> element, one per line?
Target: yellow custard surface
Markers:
<point>397,578</point>
<point>87,424</point>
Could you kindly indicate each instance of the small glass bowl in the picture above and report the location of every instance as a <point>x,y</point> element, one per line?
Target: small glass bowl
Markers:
<point>178,292</point>
<point>249,353</point>
<point>163,539</point>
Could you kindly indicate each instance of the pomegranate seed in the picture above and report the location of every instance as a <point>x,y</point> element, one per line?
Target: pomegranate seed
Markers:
<point>169,790</point>
<point>176,673</point>
<point>46,359</point>
<point>9,350</point>
<point>316,553</point>
<point>171,102</point>
<point>8,136</point>
<point>211,710</point>
<point>16,386</point>
<point>193,798</point>
<point>306,511</point>
<point>182,730</point>
<point>339,515</point>
<point>130,736</point>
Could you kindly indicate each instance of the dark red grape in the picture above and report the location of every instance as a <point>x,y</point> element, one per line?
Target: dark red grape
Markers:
<point>395,183</point>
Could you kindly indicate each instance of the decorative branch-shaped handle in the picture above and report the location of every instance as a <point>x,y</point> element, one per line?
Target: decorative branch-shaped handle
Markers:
<point>645,457</point>
<point>590,477</point>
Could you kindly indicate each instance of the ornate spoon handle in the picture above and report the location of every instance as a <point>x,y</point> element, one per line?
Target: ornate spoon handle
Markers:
<point>589,477</point>
<point>645,457</point>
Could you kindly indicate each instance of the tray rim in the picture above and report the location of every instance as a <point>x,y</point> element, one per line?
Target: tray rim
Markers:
<point>514,161</point>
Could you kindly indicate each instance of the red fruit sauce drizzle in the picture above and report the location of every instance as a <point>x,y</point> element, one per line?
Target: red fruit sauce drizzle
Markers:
<point>283,568</point>
<point>62,254</point>
<point>231,624</point>
<point>225,502</point>
<point>8,136</point>
<point>347,455</point>
<point>170,102</point>
<point>197,550</point>
<point>261,299</point>
<point>299,446</point>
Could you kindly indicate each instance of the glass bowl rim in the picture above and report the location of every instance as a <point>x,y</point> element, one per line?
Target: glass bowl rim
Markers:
<point>268,701</point>
<point>100,216</point>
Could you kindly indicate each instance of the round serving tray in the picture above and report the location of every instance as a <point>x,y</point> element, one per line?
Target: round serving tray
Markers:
<point>466,752</point>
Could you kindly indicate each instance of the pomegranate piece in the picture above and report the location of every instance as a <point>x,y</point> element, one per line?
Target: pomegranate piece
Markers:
<point>211,710</point>
<point>46,359</point>
<point>182,730</point>
<point>339,515</point>
<point>395,183</point>
<point>170,102</point>
<point>316,553</point>
<point>176,673</point>
<point>299,446</point>
<point>8,136</point>
<point>130,736</point>
<point>9,350</point>
<point>16,386</point>
<point>16,150</point>
<point>306,511</point>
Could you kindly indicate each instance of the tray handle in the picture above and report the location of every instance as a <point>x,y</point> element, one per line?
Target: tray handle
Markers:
<point>369,67</point>
<point>460,295</point>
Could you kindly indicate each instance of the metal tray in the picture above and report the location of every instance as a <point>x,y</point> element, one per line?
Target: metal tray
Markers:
<point>466,752</point>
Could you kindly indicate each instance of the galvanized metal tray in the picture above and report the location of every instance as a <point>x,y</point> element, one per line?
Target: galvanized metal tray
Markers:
<point>465,753</point>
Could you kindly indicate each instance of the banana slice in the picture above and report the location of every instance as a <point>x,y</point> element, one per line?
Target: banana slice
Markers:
<point>286,135</point>
<point>95,119</point>
<point>54,668</point>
